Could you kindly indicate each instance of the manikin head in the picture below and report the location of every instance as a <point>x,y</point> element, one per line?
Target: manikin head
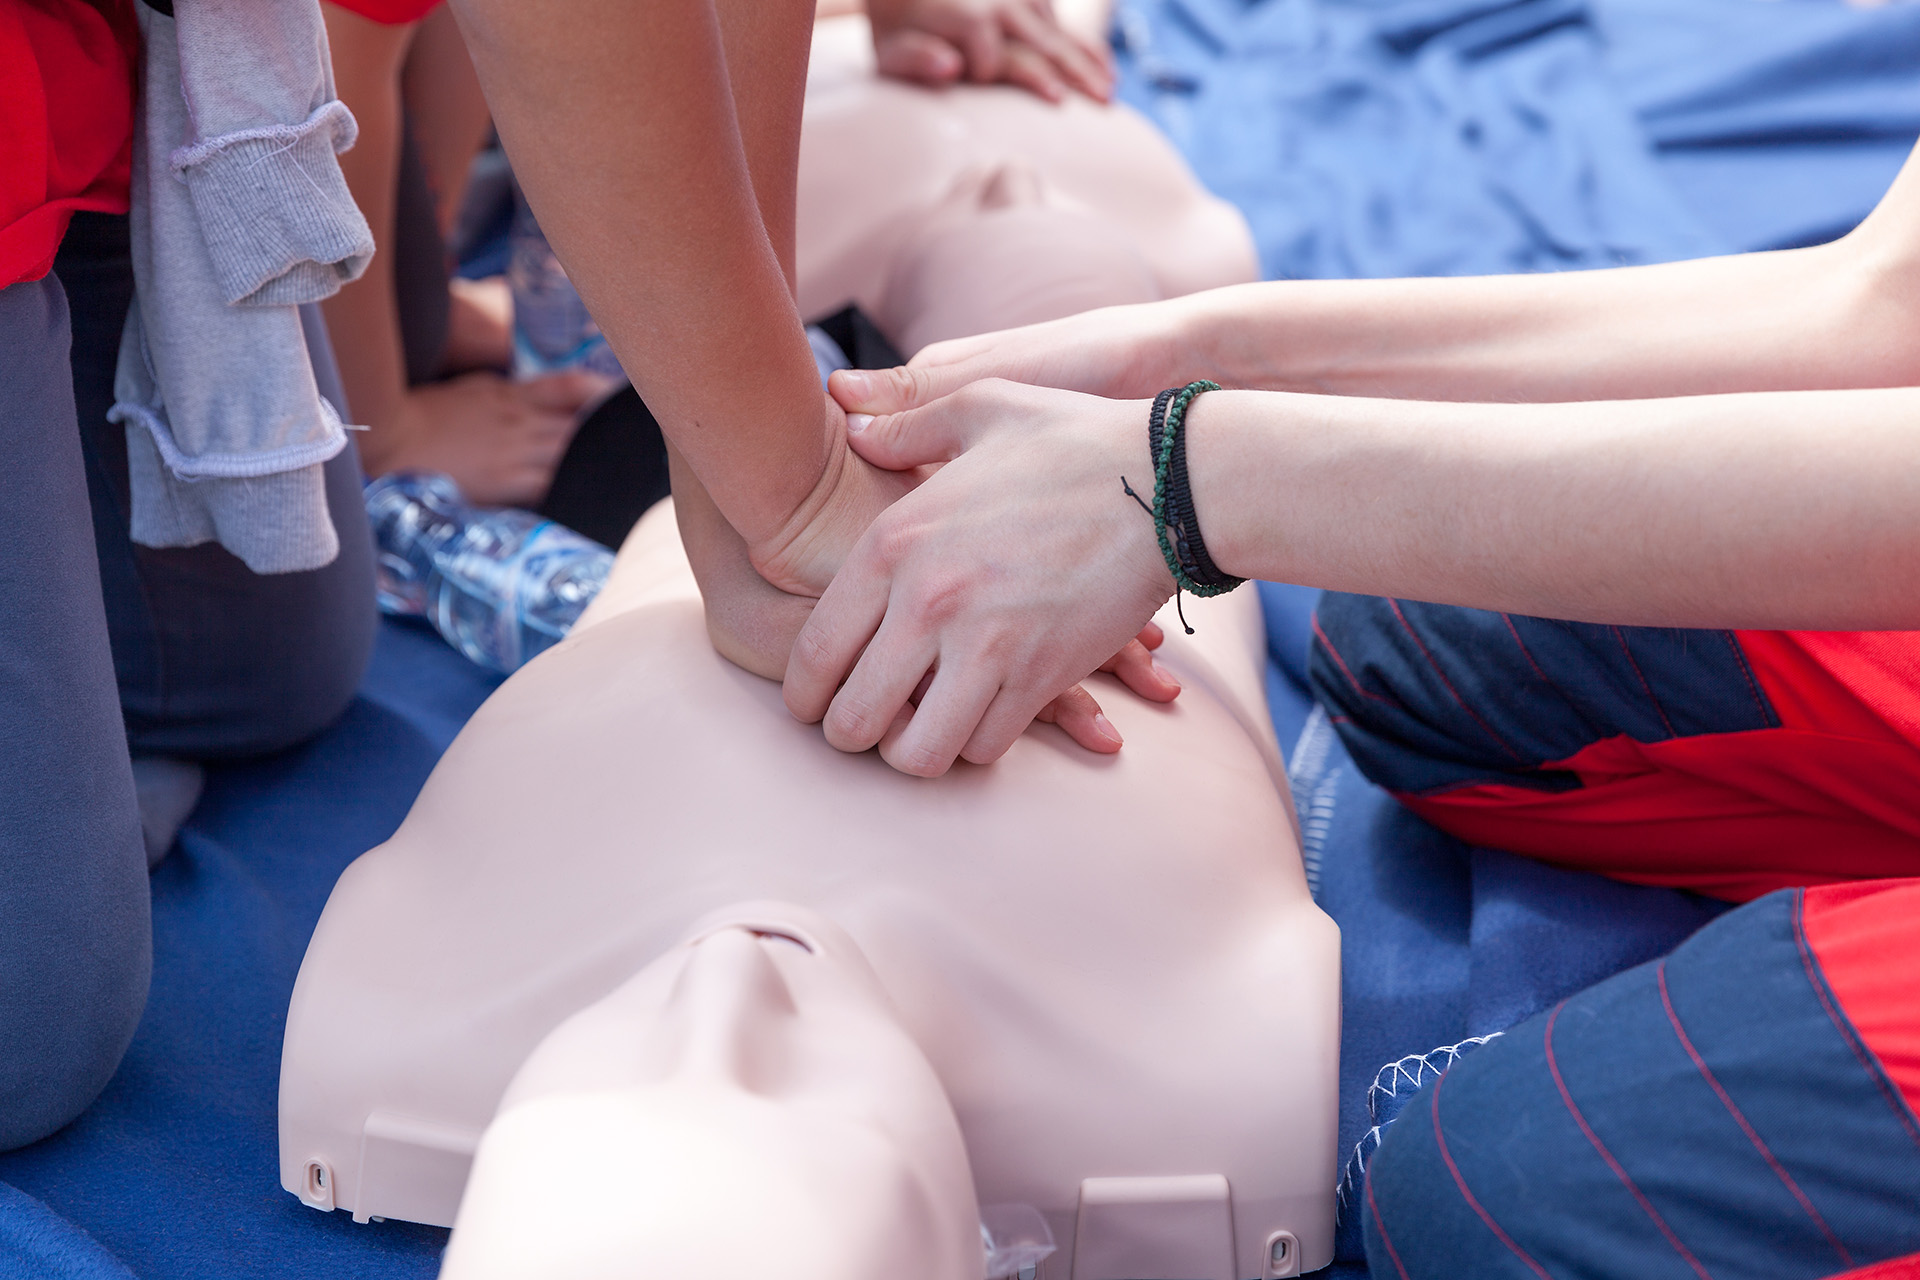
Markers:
<point>745,1106</point>
<point>1001,250</point>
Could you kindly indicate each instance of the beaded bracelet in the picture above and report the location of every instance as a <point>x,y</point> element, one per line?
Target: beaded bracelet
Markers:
<point>1175,523</point>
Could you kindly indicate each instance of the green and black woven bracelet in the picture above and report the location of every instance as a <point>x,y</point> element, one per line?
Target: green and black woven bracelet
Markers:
<point>1174,522</point>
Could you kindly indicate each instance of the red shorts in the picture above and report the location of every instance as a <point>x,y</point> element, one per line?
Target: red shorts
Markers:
<point>1731,763</point>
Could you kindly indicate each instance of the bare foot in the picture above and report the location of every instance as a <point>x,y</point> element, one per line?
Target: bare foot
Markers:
<point>499,440</point>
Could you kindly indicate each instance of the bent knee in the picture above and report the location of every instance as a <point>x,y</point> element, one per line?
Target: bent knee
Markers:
<point>305,699</point>
<point>66,1019</point>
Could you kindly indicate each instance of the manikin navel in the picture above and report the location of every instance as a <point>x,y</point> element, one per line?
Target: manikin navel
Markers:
<point>1110,965</point>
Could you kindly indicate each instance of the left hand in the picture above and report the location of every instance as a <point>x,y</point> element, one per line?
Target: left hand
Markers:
<point>1019,42</point>
<point>1007,577</point>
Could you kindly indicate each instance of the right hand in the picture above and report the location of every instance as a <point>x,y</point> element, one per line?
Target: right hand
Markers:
<point>1018,42</point>
<point>499,440</point>
<point>1119,353</point>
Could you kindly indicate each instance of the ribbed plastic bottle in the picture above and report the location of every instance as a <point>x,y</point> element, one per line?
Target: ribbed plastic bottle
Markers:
<point>500,585</point>
<point>552,330</point>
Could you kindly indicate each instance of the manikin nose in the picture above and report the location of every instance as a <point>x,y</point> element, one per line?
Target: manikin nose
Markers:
<point>732,1012</point>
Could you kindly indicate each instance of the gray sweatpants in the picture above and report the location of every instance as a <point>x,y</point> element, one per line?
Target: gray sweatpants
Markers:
<point>103,645</point>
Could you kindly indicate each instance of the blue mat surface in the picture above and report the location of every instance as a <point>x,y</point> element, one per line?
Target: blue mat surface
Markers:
<point>1463,137</point>
<point>1362,137</point>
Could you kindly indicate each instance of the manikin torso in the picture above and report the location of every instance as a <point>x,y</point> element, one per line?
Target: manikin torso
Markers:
<point>879,158</point>
<point>1111,963</point>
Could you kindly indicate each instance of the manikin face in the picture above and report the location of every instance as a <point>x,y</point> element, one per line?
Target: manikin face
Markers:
<point>744,1106</point>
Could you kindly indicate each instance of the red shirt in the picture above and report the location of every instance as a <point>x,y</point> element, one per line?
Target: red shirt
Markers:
<point>66,100</point>
<point>66,116</point>
<point>391,12</point>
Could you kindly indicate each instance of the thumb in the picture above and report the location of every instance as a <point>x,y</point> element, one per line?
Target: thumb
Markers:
<point>877,391</point>
<point>912,438</point>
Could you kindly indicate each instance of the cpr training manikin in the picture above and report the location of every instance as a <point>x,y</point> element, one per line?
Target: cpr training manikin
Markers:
<point>653,982</point>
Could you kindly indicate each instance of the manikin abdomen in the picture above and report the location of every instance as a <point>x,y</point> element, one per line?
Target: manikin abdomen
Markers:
<point>1112,963</point>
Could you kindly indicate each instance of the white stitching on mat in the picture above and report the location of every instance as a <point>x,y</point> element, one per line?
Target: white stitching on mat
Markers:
<point>1310,778</point>
<point>1410,1074</point>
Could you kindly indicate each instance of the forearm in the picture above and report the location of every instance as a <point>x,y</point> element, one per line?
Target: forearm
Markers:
<point>362,318</point>
<point>1824,317</point>
<point>1778,510</point>
<point>622,130</point>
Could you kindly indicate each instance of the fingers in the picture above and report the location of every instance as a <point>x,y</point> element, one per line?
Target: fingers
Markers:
<point>926,744</point>
<point>1140,673</point>
<point>1076,712</point>
<point>879,391</point>
<point>985,47</point>
<point>1010,714</point>
<point>896,441</point>
<point>839,628</point>
<point>1034,71</point>
<point>879,692</point>
<point>1068,61</point>
<point>920,56</point>
<point>1152,636</point>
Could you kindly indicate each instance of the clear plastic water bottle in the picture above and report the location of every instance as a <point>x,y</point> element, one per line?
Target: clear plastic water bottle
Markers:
<point>551,328</point>
<point>501,585</point>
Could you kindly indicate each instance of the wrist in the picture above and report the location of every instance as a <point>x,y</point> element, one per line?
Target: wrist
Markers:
<point>1205,335</point>
<point>806,550</point>
<point>780,551</point>
<point>1238,336</point>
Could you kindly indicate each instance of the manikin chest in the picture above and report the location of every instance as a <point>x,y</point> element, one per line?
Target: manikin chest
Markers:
<point>1112,964</point>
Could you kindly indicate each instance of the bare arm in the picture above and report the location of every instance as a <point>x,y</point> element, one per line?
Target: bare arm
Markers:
<point>659,145</point>
<point>1802,319</point>
<point>1839,315</point>
<point>622,127</point>
<point>1771,509</point>
<point>362,318</point>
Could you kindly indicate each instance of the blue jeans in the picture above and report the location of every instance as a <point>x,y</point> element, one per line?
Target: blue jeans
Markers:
<point>107,648</point>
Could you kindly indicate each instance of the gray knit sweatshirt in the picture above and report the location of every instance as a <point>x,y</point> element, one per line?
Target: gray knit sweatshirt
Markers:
<point>240,214</point>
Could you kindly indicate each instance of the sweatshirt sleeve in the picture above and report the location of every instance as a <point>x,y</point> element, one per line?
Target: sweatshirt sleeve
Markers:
<point>281,226</point>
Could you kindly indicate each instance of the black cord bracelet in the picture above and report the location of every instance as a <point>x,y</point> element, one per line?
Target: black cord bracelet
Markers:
<point>1175,523</point>
<point>1203,576</point>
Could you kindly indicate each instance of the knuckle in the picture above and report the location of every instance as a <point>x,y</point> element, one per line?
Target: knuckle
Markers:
<point>849,725</point>
<point>917,385</point>
<point>922,762</point>
<point>811,651</point>
<point>941,601</point>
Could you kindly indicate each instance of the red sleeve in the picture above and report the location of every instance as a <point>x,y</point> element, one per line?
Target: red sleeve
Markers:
<point>391,12</point>
<point>66,94</point>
